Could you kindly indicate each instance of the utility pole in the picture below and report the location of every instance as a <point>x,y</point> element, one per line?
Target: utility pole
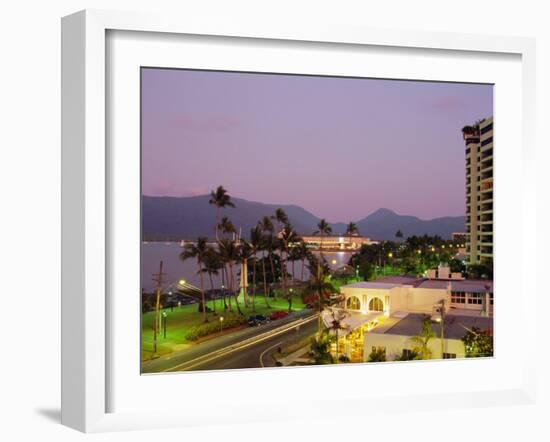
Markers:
<point>158,278</point>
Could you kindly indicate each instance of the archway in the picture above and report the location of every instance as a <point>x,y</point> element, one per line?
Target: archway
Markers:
<point>353,303</point>
<point>376,305</point>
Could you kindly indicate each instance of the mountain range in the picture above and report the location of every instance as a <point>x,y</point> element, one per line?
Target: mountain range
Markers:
<point>174,218</point>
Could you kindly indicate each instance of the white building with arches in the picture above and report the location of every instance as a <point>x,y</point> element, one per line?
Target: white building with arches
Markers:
<point>374,306</point>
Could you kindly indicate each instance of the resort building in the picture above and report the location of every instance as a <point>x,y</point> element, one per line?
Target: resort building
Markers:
<point>479,190</point>
<point>388,312</point>
<point>337,242</point>
<point>394,337</point>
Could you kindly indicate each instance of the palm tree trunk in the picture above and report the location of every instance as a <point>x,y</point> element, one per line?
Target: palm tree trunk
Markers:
<point>217,221</point>
<point>272,273</point>
<point>212,290</point>
<point>283,270</point>
<point>202,295</point>
<point>234,289</point>
<point>230,288</point>
<point>303,265</point>
<point>223,287</point>
<point>254,282</point>
<point>265,282</point>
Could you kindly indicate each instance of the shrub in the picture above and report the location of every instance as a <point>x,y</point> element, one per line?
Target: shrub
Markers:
<point>199,331</point>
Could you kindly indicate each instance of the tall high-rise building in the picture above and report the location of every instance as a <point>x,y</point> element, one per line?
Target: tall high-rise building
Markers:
<point>479,190</point>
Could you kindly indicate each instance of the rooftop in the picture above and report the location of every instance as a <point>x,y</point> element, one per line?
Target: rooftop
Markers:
<point>372,285</point>
<point>462,285</point>
<point>455,325</point>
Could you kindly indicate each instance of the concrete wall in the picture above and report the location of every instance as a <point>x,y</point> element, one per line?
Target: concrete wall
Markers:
<point>407,299</point>
<point>395,344</point>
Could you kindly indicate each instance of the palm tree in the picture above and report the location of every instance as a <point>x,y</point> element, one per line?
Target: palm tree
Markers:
<point>320,349</point>
<point>324,229</point>
<point>229,253</point>
<point>351,229</point>
<point>288,236</point>
<point>256,245</point>
<point>301,254</point>
<point>220,198</point>
<point>226,226</point>
<point>199,252</point>
<point>423,338</point>
<point>244,253</point>
<point>211,266</point>
<point>281,219</point>
<point>337,324</point>
<point>267,227</point>
<point>319,285</point>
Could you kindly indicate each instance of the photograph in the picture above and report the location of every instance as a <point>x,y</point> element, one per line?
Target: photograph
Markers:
<point>302,220</point>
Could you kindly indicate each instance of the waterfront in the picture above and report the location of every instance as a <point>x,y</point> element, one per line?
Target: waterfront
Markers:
<point>153,252</point>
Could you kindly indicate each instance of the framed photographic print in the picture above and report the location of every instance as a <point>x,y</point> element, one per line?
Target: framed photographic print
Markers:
<point>259,211</point>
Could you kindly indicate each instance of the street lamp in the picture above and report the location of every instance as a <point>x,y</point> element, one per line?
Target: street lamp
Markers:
<point>221,324</point>
<point>182,282</point>
<point>164,316</point>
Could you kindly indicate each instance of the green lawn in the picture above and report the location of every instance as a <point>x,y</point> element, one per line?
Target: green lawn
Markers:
<point>182,318</point>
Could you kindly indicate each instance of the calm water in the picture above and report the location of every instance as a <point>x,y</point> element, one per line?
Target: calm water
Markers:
<point>175,269</point>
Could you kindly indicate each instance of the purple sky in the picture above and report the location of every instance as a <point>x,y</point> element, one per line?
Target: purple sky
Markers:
<point>339,147</point>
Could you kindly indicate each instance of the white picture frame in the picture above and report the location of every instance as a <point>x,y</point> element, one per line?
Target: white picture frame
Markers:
<point>86,205</point>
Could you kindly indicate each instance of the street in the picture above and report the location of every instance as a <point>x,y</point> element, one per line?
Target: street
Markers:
<point>238,349</point>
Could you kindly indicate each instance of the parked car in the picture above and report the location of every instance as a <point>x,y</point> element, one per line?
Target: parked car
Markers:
<point>279,314</point>
<point>257,320</point>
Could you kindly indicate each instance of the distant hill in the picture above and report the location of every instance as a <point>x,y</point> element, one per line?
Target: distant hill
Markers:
<point>173,218</point>
<point>384,223</point>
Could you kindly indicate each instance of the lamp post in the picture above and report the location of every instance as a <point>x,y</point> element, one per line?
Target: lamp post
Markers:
<point>221,324</point>
<point>164,316</point>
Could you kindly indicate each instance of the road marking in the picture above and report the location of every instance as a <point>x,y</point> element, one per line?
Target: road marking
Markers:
<point>243,344</point>
<point>267,349</point>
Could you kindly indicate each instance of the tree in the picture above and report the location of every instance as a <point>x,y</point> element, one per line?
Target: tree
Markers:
<point>320,349</point>
<point>281,219</point>
<point>399,234</point>
<point>337,324</point>
<point>378,354</point>
<point>351,229</point>
<point>244,253</point>
<point>199,250</point>
<point>409,356</point>
<point>269,241</point>
<point>323,230</point>
<point>319,286</point>
<point>211,265</point>
<point>287,237</point>
<point>423,338</point>
<point>457,266</point>
<point>226,226</point>
<point>220,198</point>
<point>302,252</point>
<point>229,253</point>
<point>256,244</point>
<point>478,343</point>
